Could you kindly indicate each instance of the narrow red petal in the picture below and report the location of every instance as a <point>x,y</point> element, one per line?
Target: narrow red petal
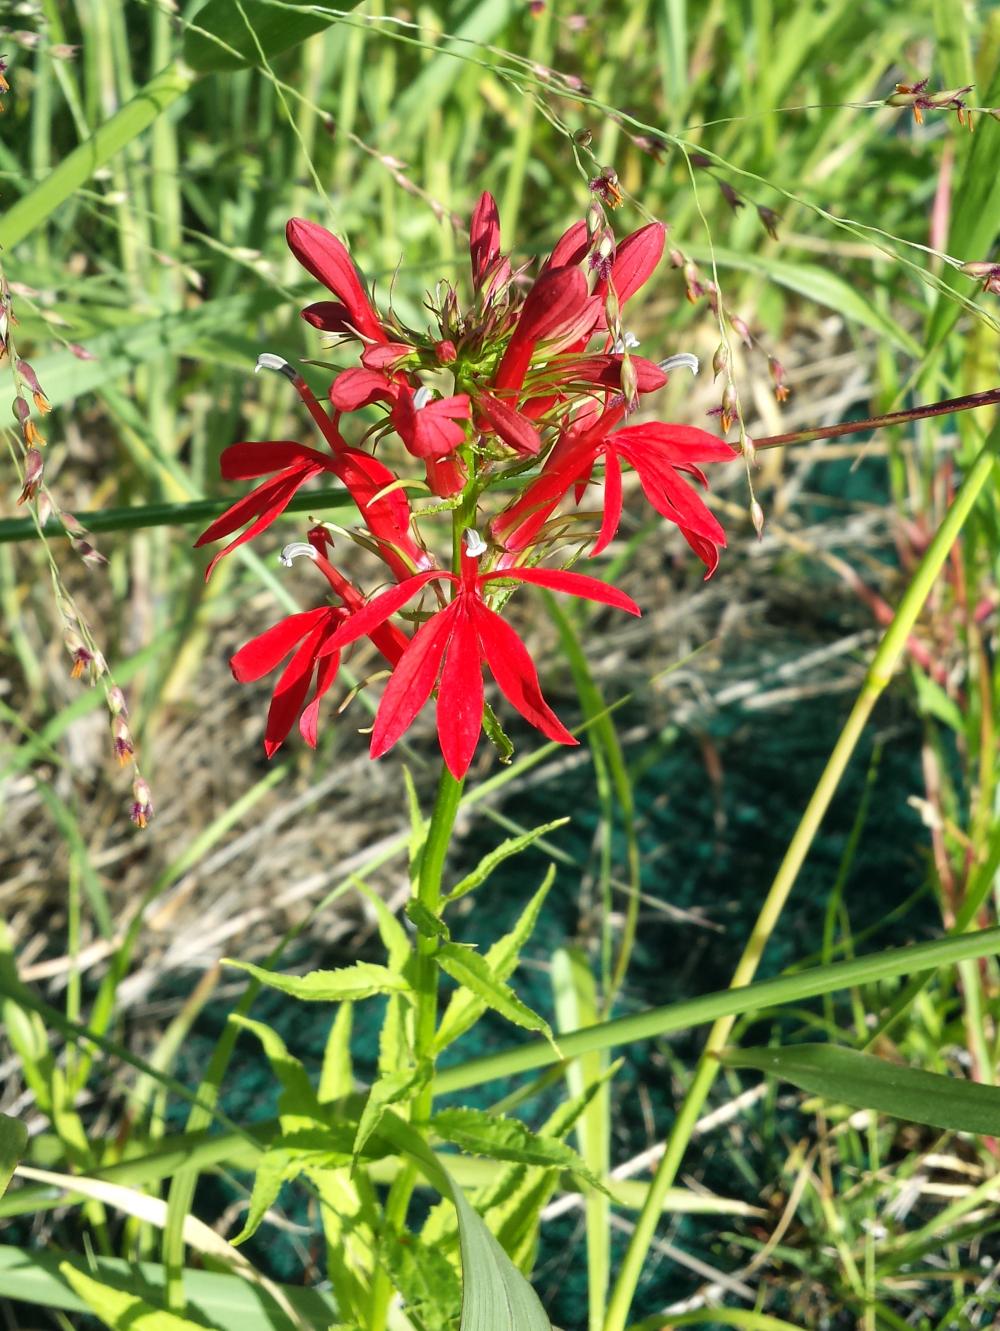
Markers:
<point>290,693</point>
<point>245,462</point>
<point>378,610</point>
<point>575,584</point>
<point>412,680</point>
<point>612,502</point>
<point>460,697</point>
<point>673,498</point>
<point>278,501</point>
<point>515,674</point>
<point>678,443</point>
<point>327,673</point>
<point>570,248</point>
<point>261,654</point>
<point>329,315</point>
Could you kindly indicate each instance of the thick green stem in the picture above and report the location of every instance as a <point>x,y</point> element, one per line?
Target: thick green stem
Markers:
<point>879,674</point>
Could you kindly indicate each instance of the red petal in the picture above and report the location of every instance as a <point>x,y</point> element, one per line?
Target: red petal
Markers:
<point>678,443</point>
<point>706,551</point>
<point>378,610</point>
<point>510,425</point>
<point>673,498</point>
<point>388,518</point>
<point>412,680</point>
<point>279,493</point>
<point>606,372</point>
<point>386,357</point>
<point>553,304</point>
<point>322,254</point>
<point>514,672</point>
<point>244,462</point>
<point>484,238</point>
<point>460,697</point>
<point>353,389</point>
<point>570,248</point>
<point>576,584</point>
<point>329,315</point>
<point>445,476</point>
<point>636,259</point>
<point>432,431</point>
<point>290,693</point>
<point>309,720</point>
<point>261,654</point>
<point>612,501</point>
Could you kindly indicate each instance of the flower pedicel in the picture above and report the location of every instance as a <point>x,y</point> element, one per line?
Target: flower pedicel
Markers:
<point>542,380</point>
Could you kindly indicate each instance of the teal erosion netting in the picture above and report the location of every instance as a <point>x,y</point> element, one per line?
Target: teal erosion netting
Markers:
<point>711,849</point>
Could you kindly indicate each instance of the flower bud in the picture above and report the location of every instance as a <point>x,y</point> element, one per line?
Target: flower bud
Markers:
<point>630,383</point>
<point>757,518</point>
<point>720,360</point>
<point>34,466</point>
<point>445,351</point>
<point>123,745</point>
<point>777,372</point>
<point>116,701</point>
<point>748,449</point>
<point>142,803</point>
<point>583,138</point>
<point>769,220</point>
<point>741,330</point>
<point>730,407</point>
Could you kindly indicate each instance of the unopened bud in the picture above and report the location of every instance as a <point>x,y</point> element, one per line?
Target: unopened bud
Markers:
<point>630,383</point>
<point>676,258</point>
<point>583,138</point>
<point>720,360</point>
<point>34,466</point>
<point>748,449</point>
<point>731,197</point>
<point>611,308</point>
<point>116,701</point>
<point>757,518</point>
<point>769,220</point>
<point>445,351</point>
<point>741,330</point>
<point>122,736</point>
<point>730,407</point>
<point>777,372</point>
<point>142,803</point>
<point>595,219</point>
<point>90,555</point>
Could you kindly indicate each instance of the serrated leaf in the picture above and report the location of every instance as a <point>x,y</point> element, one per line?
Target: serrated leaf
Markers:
<point>298,1105</point>
<point>391,932</point>
<point>336,1078</point>
<point>363,979</point>
<point>13,1140</point>
<point>388,1090</point>
<point>490,861</point>
<point>425,921</point>
<point>866,1082</point>
<point>500,1138</point>
<point>465,1008</point>
<point>221,37</point>
<point>123,1311</point>
<point>473,971</point>
<point>423,1275</point>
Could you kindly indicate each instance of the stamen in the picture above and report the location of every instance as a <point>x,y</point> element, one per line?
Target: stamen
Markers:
<point>422,396</point>
<point>474,543</point>
<point>682,361</point>
<point>297,549</point>
<point>268,361</point>
<point>626,342</point>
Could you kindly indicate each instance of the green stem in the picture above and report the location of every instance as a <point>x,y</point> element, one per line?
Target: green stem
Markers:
<point>880,673</point>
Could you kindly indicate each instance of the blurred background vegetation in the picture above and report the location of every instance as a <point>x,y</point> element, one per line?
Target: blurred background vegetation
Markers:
<point>142,300</point>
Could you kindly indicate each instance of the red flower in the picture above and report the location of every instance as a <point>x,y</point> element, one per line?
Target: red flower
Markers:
<point>322,254</point>
<point>656,451</point>
<point>309,633</point>
<point>387,518</point>
<point>454,642</point>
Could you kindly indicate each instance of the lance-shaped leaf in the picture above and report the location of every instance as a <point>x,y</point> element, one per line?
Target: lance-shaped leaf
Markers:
<point>230,35</point>
<point>474,972</point>
<point>865,1082</point>
<point>500,1138</point>
<point>493,858</point>
<point>363,979</point>
<point>119,1309</point>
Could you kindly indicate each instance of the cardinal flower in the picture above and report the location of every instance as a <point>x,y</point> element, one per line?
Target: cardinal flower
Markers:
<point>308,636</point>
<point>656,451</point>
<point>454,643</point>
<point>322,255</point>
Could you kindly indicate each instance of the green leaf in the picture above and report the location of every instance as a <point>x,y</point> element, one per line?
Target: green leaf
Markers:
<point>865,1082</point>
<point>820,285</point>
<point>427,924</point>
<point>495,1295</point>
<point>427,1280</point>
<point>361,980</point>
<point>13,1140</point>
<point>933,701</point>
<point>123,1311</point>
<point>298,1105</point>
<point>465,1008</point>
<point>402,1084</point>
<point>512,846</point>
<point>500,1138</point>
<point>474,973</point>
<point>221,37</point>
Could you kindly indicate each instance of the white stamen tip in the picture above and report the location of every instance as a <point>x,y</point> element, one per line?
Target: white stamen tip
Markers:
<point>297,550</point>
<point>421,397</point>
<point>682,361</point>
<point>474,543</point>
<point>626,342</point>
<point>268,361</point>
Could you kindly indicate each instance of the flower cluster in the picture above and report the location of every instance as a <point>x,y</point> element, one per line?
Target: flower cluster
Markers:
<point>523,396</point>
